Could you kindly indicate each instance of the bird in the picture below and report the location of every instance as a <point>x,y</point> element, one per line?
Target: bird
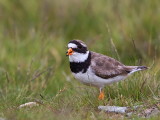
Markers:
<point>95,69</point>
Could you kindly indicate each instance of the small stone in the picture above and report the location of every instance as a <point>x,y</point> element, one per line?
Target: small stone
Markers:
<point>29,104</point>
<point>129,114</point>
<point>116,109</point>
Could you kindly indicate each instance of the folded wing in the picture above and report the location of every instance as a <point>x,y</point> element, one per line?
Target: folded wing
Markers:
<point>106,67</point>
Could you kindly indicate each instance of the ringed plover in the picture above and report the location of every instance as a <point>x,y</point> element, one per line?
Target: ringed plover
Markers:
<point>95,69</point>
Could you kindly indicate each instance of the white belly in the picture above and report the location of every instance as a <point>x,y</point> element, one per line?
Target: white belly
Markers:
<point>90,78</point>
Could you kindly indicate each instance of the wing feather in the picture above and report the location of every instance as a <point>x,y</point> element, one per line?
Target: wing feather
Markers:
<point>106,67</point>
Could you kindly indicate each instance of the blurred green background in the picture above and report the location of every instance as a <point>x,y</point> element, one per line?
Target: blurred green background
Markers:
<point>33,39</point>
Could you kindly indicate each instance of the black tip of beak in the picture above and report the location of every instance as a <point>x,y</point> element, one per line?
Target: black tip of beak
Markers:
<point>66,53</point>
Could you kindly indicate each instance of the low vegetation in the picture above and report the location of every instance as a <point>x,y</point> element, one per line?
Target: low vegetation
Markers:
<point>34,68</point>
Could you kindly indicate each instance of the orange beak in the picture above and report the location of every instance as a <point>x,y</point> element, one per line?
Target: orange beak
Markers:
<point>69,52</point>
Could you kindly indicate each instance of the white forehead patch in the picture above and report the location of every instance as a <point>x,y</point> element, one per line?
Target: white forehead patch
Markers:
<point>72,45</point>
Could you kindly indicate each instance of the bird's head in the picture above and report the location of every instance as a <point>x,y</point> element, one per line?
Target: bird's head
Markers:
<point>77,51</point>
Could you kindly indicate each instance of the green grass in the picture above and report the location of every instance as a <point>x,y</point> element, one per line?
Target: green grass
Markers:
<point>33,65</point>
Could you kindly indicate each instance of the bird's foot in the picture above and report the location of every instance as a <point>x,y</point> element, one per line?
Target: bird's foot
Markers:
<point>101,96</point>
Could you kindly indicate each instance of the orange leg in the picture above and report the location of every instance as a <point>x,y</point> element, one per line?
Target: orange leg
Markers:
<point>101,95</point>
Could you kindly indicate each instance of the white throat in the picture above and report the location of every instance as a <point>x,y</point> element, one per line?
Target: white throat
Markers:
<point>78,57</point>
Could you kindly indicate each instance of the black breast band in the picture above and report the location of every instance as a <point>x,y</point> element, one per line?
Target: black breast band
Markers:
<point>80,66</point>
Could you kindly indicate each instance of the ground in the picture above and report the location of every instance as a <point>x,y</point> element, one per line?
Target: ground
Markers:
<point>34,67</point>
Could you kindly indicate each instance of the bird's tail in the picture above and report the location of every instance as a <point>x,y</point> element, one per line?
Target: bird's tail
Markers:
<point>132,69</point>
